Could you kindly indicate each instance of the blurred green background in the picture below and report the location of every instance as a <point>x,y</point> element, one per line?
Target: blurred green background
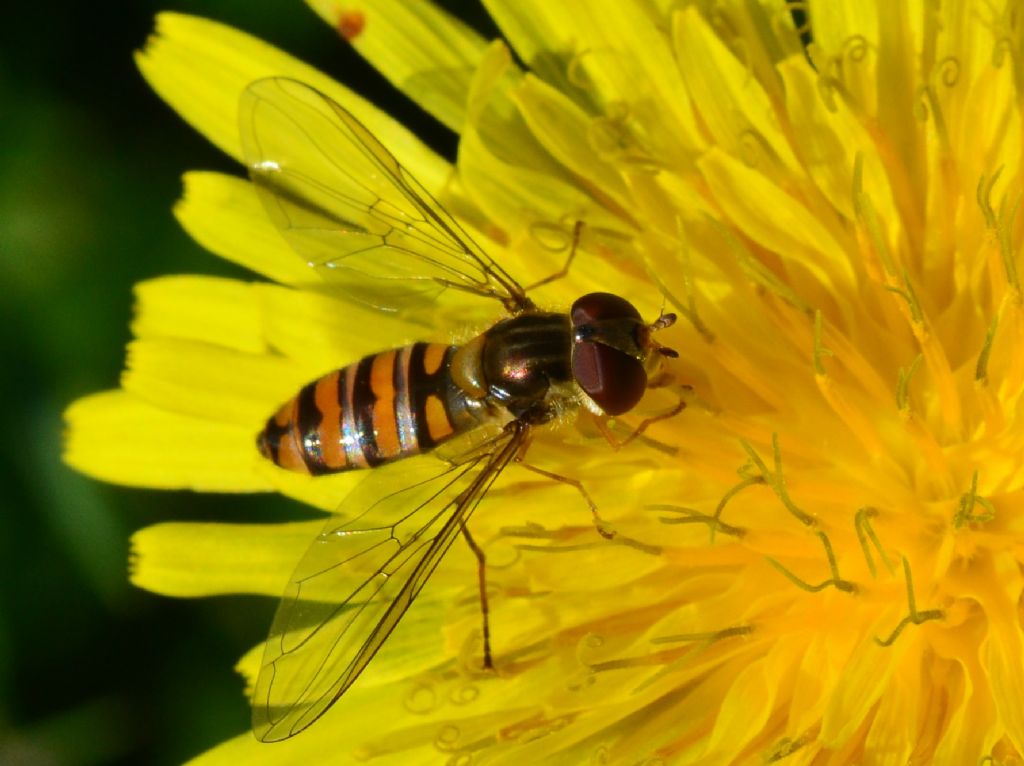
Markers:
<point>93,671</point>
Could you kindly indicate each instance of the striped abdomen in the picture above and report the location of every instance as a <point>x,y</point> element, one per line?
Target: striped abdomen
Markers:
<point>382,408</point>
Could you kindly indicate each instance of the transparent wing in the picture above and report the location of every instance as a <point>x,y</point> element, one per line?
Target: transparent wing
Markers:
<point>348,207</point>
<point>358,578</point>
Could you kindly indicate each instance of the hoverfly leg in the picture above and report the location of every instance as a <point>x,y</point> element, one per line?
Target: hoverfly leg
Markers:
<point>481,562</point>
<point>562,272</point>
<point>638,433</point>
<point>603,528</point>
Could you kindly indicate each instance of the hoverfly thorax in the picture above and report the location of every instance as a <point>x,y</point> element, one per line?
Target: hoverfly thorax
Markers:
<point>525,360</point>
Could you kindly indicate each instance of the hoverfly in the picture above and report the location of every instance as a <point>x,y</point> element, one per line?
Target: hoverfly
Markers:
<point>366,222</point>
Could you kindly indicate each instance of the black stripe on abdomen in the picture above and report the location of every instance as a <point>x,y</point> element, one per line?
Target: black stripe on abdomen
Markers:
<point>423,386</point>
<point>363,400</point>
<point>307,421</point>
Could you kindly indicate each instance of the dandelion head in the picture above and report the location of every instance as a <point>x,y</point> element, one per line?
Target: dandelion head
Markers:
<point>815,561</point>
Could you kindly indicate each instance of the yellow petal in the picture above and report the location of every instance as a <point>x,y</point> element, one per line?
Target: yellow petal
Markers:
<point>1004,656</point>
<point>190,559</point>
<point>967,731</point>
<point>865,679</point>
<point>317,332</point>
<point>896,731</point>
<point>791,231</point>
<point>542,34</point>
<point>732,103</point>
<point>425,52</point>
<point>321,333</point>
<point>518,184</point>
<point>223,312</point>
<point>898,72</point>
<point>626,46</point>
<point>340,732</point>
<point>117,437</point>
<point>201,68</point>
<point>831,138</point>
<point>617,53</point>
<point>323,492</point>
<point>847,32</point>
<point>224,215</point>
<point>745,709</point>
<point>560,126</point>
<point>837,21</point>
<point>210,382</point>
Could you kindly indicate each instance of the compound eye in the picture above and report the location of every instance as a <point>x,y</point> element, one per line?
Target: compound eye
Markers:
<point>593,307</point>
<point>613,379</point>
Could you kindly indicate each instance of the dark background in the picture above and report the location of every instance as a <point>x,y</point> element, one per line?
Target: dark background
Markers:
<point>93,671</point>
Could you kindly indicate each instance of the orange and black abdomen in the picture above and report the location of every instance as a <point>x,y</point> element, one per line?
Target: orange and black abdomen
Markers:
<point>384,407</point>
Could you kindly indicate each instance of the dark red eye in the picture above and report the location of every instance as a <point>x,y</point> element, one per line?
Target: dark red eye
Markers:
<point>595,306</point>
<point>615,380</point>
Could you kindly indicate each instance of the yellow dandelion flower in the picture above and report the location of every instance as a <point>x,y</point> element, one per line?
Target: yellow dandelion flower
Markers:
<point>816,561</point>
